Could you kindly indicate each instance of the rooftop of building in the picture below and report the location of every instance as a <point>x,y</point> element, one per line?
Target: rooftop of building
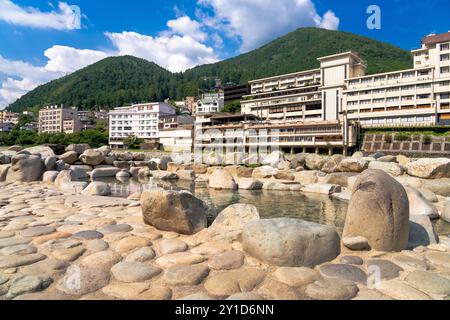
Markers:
<point>436,38</point>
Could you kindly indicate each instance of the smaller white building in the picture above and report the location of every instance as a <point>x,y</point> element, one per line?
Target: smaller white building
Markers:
<point>210,103</point>
<point>140,120</point>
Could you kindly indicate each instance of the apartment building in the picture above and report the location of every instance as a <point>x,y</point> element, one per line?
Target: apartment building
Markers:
<point>57,119</point>
<point>415,97</point>
<point>140,120</point>
<point>9,117</point>
<point>235,92</point>
<point>325,107</point>
<point>210,103</point>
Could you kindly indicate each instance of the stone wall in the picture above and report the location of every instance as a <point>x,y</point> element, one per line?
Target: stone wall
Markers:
<point>416,145</point>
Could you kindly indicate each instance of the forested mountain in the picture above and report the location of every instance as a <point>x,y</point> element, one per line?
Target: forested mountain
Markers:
<point>116,81</point>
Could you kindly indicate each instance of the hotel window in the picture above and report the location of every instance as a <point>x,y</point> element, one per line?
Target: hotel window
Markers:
<point>445,84</point>
<point>392,99</point>
<point>408,88</point>
<point>393,77</point>
<point>445,69</point>
<point>407,98</point>
<point>365,102</point>
<point>424,73</point>
<point>408,75</point>
<point>381,100</point>
<point>423,96</point>
<point>424,86</point>
<point>392,89</point>
<point>366,80</point>
<point>445,95</point>
<point>445,57</point>
<point>445,46</point>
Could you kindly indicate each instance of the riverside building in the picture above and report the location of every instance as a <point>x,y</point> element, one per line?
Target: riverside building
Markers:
<point>140,120</point>
<point>57,119</point>
<point>323,109</point>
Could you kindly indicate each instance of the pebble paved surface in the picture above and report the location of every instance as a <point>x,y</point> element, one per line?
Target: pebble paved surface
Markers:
<point>56,245</point>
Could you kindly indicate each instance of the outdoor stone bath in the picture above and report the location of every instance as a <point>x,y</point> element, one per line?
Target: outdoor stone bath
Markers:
<point>59,241</point>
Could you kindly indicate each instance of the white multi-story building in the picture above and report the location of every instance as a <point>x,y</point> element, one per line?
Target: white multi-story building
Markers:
<point>210,103</point>
<point>324,107</point>
<point>413,97</point>
<point>140,120</point>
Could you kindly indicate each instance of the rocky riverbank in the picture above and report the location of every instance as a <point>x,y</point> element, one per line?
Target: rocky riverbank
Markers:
<point>62,238</point>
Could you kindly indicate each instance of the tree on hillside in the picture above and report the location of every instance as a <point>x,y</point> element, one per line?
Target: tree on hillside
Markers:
<point>232,107</point>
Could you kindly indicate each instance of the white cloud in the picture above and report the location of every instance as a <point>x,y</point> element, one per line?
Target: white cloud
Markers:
<point>174,52</point>
<point>68,59</point>
<point>186,27</point>
<point>67,17</point>
<point>256,22</point>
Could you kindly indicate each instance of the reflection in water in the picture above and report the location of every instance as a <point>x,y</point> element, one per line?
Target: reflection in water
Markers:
<point>271,204</point>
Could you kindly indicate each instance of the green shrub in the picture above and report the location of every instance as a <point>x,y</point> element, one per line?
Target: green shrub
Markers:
<point>403,136</point>
<point>427,139</point>
<point>388,138</point>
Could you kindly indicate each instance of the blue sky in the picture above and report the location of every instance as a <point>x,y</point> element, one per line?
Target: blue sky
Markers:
<point>43,40</point>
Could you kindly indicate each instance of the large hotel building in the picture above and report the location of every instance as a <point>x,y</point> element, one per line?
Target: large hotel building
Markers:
<point>140,120</point>
<point>325,107</point>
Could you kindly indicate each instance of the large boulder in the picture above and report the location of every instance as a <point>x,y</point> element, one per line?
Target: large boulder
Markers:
<point>298,161</point>
<point>290,242</point>
<point>339,178</point>
<point>264,172</point>
<point>307,177</point>
<point>273,159</point>
<point>230,222</point>
<point>92,157</point>
<point>25,168</point>
<point>5,159</point>
<point>80,171</point>
<point>429,168</point>
<point>353,165</point>
<point>97,188</point>
<point>421,232</point>
<point>49,176</point>
<point>419,205</point>
<point>239,171</point>
<point>44,151</point>
<point>79,148</point>
<point>249,184</point>
<point>315,162</point>
<point>221,179</point>
<point>378,211</point>
<point>4,171</point>
<point>321,188</point>
<point>331,165</point>
<point>70,157</point>
<point>177,211</point>
<point>106,172</point>
<point>391,168</point>
<point>105,150</point>
<point>65,176</point>
<point>162,165</point>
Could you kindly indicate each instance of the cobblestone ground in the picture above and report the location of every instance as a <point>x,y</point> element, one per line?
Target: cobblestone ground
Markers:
<point>65,246</point>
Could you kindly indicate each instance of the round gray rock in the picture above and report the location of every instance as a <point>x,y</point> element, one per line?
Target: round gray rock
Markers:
<point>290,242</point>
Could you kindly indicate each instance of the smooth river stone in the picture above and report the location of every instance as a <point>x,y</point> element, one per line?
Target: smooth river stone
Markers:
<point>227,261</point>
<point>275,290</point>
<point>6,234</point>
<point>400,290</point>
<point>156,292</point>
<point>13,261</point>
<point>352,260</point>
<point>184,275</point>
<point>167,246</point>
<point>141,255</point>
<point>332,289</point>
<point>88,235</point>
<point>441,259</point>
<point>173,259</point>
<point>21,249</point>
<point>51,236</point>
<point>429,282</point>
<point>388,270</point>
<point>9,242</point>
<point>134,271</point>
<point>234,281</point>
<point>37,231</point>
<point>28,284</point>
<point>343,271</point>
<point>410,263</point>
<point>125,290</point>
<point>69,254</point>
<point>130,243</point>
<point>296,276</point>
<point>116,228</point>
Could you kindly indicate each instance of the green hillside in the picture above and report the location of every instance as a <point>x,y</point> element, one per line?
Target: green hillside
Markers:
<point>116,81</point>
